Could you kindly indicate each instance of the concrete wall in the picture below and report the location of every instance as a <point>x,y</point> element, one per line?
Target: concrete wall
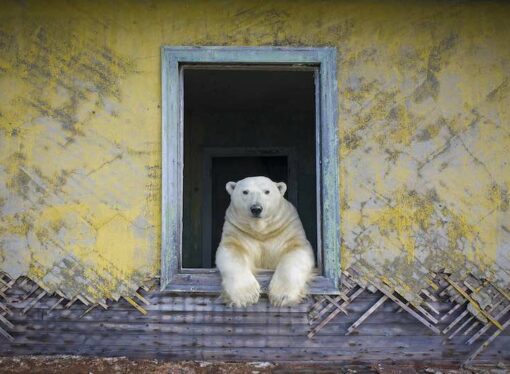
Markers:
<point>424,111</point>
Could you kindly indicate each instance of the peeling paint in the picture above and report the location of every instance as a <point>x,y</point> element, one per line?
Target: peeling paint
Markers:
<point>423,119</point>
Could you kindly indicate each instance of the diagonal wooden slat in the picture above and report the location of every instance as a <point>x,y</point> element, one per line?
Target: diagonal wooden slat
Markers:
<point>475,304</point>
<point>365,315</point>
<point>485,344</point>
<point>455,321</point>
<point>391,296</point>
<point>33,302</point>
<point>484,329</point>
<point>6,335</point>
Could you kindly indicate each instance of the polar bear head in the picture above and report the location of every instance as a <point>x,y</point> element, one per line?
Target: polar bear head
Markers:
<point>256,197</point>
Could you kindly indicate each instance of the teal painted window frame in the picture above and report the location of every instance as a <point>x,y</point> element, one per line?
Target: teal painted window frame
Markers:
<point>173,277</point>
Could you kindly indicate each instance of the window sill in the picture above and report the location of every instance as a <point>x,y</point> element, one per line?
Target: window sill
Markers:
<point>209,282</point>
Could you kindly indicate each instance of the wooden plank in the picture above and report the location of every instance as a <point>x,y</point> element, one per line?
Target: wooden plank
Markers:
<point>369,328</point>
<point>71,302</point>
<point>242,354</point>
<point>426,314</point>
<point>330,304</point>
<point>168,302</point>
<point>487,342</point>
<point>6,335</point>
<point>484,329</point>
<point>56,304</point>
<point>330,175</point>
<point>474,304</point>
<point>339,308</point>
<point>176,317</point>
<point>232,318</point>
<point>135,305</point>
<point>211,328</point>
<point>6,322</point>
<point>33,289</point>
<point>477,322</point>
<point>504,293</point>
<point>352,343</point>
<point>432,308</point>
<point>409,310</point>
<point>323,323</point>
<point>429,295</point>
<point>473,325</point>
<point>281,354</point>
<point>452,310</point>
<point>452,335</point>
<point>34,301</point>
<point>317,306</point>
<point>5,308</point>
<point>444,292</point>
<point>455,321</point>
<point>244,55</point>
<point>88,310</point>
<point>336,305</point>
<point>365,315</point>
<point>141,298</point>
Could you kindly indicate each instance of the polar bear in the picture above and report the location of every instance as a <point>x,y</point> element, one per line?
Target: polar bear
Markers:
<point>262,230</point>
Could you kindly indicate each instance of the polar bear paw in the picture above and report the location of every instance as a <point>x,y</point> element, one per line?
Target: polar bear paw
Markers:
<point>242,293</point>
<point>285,295</point>
<point>282,299</point>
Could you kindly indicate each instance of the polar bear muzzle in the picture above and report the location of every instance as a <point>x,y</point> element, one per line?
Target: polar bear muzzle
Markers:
<point>256,209</point>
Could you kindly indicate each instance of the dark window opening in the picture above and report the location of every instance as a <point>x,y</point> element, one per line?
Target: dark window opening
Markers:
<point>240,123</point>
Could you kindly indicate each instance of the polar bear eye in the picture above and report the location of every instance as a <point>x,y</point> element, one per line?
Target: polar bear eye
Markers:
<point>267,192</point>
<point>245,192</point>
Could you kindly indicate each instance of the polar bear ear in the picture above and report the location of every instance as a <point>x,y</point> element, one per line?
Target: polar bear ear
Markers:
<point>230,186</point>
<point>282,187</point>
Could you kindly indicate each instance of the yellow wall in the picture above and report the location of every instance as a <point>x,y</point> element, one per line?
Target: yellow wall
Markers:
<point>424,111</point>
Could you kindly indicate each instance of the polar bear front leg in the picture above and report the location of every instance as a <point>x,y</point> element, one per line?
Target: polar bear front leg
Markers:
<point>240,287</point>
<point>289,283</point>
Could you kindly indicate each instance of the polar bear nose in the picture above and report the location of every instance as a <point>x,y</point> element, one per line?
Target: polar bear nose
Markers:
<point>256,209</point>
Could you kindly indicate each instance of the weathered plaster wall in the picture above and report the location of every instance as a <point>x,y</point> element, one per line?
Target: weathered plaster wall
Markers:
<point>424,103</point>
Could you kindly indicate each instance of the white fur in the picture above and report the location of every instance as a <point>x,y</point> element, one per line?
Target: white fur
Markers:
<point>276,240</point>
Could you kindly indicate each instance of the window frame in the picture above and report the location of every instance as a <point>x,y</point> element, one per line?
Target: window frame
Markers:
<point>173,59</point>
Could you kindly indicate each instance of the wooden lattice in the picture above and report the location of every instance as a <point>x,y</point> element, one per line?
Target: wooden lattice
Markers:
<point>5,284</point>
<point>22,294</point>
<point>476,307</point>
<point>482,308</point>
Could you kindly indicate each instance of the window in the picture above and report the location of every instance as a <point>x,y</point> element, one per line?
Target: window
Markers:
<point>229,113</point>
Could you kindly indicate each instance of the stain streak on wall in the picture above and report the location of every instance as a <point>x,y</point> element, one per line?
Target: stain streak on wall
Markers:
<point>424,111</point>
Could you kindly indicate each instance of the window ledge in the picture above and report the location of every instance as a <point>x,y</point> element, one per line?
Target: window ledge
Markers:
<point>210,283</point>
